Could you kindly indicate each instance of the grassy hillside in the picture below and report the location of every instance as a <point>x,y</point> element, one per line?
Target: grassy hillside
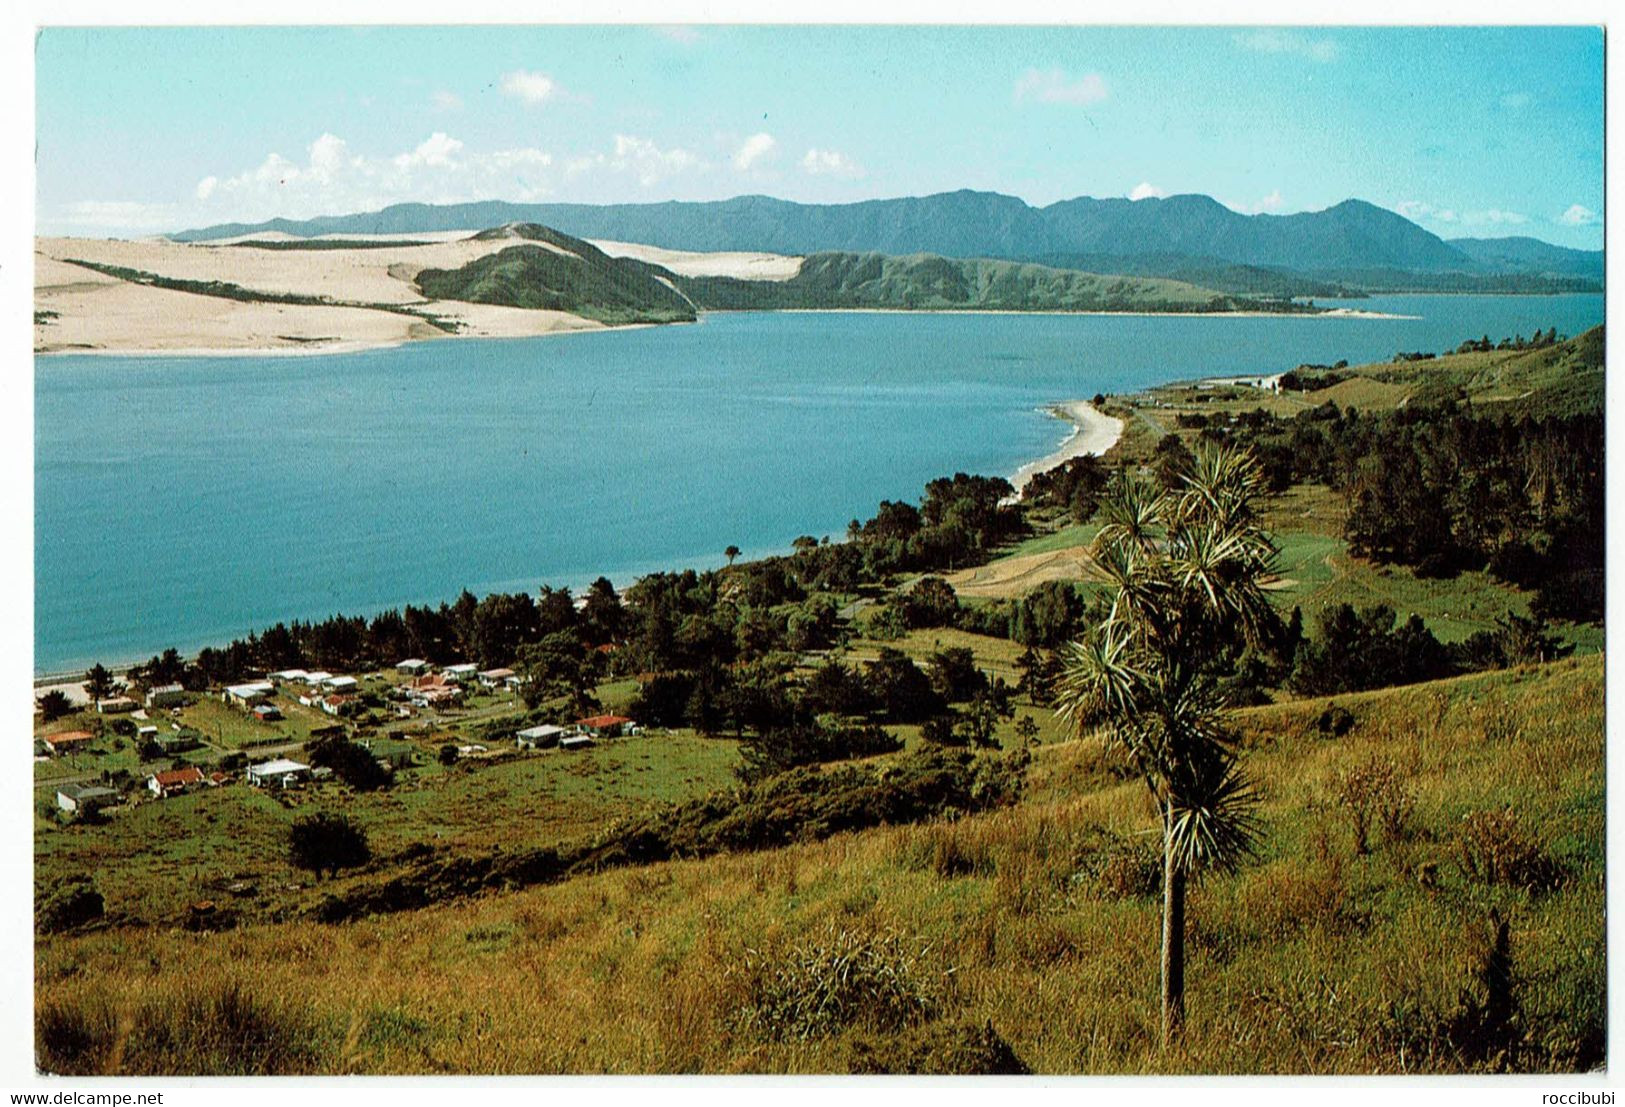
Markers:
<point>554,272</point>
<point>930,282</point>
<point>1020,937</point>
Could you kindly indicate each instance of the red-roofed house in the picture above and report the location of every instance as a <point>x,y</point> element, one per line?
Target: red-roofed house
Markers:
<point>69,741</point>
<point>604,726</point>
<point>173,781</point>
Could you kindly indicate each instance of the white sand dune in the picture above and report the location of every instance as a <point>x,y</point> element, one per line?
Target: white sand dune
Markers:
<point>86,311</point>
<point>734,263</point>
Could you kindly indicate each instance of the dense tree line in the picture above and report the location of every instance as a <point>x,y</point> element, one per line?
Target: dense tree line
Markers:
<point>1448,488</point>
<point>666,621</point>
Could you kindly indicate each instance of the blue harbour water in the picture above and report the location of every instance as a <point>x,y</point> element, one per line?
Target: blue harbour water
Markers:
<point>184,501</point>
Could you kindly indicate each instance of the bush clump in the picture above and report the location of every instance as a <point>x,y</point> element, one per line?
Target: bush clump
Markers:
<point>68,904</point>
<point>838,980</point>
<point>1493,848</point>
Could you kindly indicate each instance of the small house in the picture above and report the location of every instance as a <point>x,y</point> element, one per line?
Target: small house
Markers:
<point>494,678</point>
<point>457,674</point>
<point>575,742</point>
<point>166,695</point>
<point>267,713</point>
<point>341,685</point>
<point>334,705</point>
<point>246,695</point>
<point>117,705</point>
<point>412,666</point>
<point>69,741</point>
<point>289,676</point>
<point>77,798</point>
<point>280,773</point>
<point>146,734</point>
<point>604,726</point>
<point>172,782</point>
<point>541,737</point>
<point>317,679</point>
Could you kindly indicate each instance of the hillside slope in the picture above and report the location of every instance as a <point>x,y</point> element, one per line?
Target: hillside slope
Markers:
<point>1024,937</point>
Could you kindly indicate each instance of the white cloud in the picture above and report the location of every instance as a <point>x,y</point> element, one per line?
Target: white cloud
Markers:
<point>1579,216</point>
<point>1272,202</point>
<point>1494,217</point>
<point>679,33</point>
<point>639,158</point>
<point>446,101</point>
<point>1053,86</point>
<point>1145,190</point>
<point>830,163</point>
<point>1418,212</point>
<point>436,151</point>
<point>1515,100</point>
<point>206,187</point>
<point>1266,41</point>
<point>753,149</point>
<point>532,88</point>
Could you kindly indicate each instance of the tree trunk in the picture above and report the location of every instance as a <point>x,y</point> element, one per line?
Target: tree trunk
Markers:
<point>1173,940</point>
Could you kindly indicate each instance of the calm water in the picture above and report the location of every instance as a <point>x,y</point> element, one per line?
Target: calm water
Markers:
<point>184,501</point>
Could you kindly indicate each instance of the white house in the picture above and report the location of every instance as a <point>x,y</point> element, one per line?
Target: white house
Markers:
<point>166,695</point>
<point>73,798</point>
<point>457,674</point>
<point>289,676</point>
<point>415,666</point>
<point>493,678</point>
<point>342,685</point>
<point>172,781</point>
<point>541,737</point>
<point>315,679</point>
<point>280,773</point>
<point>117,705</point>
<point>246,695</point>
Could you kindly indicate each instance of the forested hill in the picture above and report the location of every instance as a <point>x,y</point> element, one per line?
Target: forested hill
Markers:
<point>930,282</point>
<point>1360,241</point>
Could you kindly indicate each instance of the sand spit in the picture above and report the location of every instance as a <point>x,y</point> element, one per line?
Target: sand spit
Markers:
<point>1094,433</point>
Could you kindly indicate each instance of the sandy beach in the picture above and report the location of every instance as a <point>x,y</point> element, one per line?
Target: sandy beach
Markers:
<point>1094,432</point>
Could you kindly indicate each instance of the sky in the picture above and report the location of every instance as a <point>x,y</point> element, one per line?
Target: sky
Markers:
<point>1481,132</point>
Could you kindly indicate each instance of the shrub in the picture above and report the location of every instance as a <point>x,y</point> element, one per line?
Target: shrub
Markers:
<point>1493,848</point>
<point>1129,868</point>
<point>1375,798</point>
<point>73,902</point>
<point>327,843</point>
<point>837,980</point>
<point>1334,722</point>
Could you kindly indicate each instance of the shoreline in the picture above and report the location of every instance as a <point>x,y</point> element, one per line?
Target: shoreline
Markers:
<point>357,345</point>
<point>1093,433</point>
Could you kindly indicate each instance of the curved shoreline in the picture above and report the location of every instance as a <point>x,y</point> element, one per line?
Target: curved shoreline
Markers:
<point>1093,432</point>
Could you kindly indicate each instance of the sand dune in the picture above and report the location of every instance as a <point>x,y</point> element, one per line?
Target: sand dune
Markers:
<point>746,266</point>
<point>81,310</point>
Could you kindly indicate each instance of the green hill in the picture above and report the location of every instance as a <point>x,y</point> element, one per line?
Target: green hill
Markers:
<point>929,282</point>
<point>549,271</point>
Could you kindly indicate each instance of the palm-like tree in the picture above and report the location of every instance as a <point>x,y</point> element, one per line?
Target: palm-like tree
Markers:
<point>1186,568</point>
<point>730,553</point>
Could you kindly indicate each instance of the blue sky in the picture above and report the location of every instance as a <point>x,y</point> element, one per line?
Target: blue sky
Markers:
<point>1469,131</point>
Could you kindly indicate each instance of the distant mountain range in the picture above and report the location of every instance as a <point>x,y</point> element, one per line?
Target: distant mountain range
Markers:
<point>1351,246</point>
<point>548,270</point>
